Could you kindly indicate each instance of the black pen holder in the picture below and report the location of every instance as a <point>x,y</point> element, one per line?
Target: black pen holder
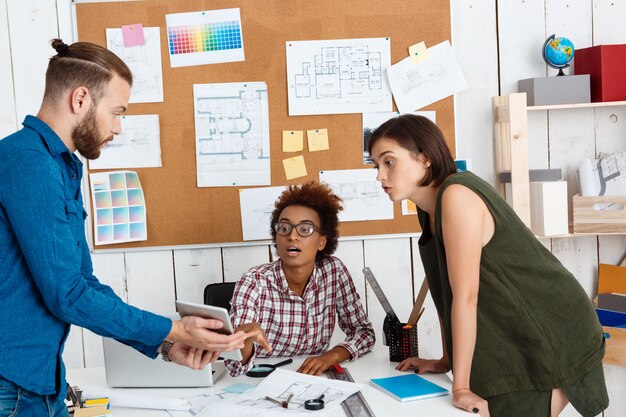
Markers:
<point>401,339</point>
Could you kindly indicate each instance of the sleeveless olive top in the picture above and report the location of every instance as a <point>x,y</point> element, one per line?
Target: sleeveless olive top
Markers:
<point>536,327</point>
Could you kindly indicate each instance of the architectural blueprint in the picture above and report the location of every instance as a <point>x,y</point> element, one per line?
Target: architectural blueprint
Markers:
<point>138,146</point>
<point>144,62</point>
<point>282,385</point>
<point>232,134</point>
<point>338,76</point>
<point>257,205</point>
<point>363,196</point>
<point>415,85</point>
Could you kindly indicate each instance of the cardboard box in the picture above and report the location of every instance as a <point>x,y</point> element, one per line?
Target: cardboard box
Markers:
<point>606,65</point>
<point>566,89</point>
<point>603,214</point>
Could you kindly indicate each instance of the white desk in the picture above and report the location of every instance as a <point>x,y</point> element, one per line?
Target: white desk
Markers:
<point>375,364</point>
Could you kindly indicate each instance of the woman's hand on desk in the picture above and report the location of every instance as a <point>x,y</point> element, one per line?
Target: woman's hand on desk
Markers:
<point>315,365</point>
<point>420,366</point>
<point>200,333</point>
<point>470,402</point>
<point>191,357</point>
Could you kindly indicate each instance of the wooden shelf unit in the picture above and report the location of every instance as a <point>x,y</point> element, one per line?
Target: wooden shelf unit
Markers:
<point>511,145</point>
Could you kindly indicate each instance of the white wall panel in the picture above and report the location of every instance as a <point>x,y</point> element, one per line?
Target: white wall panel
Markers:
<point>390,261</point>
<point>150,281</point>
<point>608,22</point>
<point>64,17</point>
<point>351,254</point>
<point>195,269</point>
<point>237,261</point>
<point>8,121</point>
<point>428,328</point>
<point>474,23</point>
<point>521,33</point>
<point>615,377</point>
<point>33,25</point>
<point>578,255</point>
<point>110,270</point>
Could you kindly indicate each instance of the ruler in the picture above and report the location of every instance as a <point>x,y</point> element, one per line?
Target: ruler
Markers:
<point>355,405</point>
<point>369,276</point>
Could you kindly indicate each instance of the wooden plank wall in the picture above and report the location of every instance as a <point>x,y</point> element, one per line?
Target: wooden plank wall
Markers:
<point>496,43</point>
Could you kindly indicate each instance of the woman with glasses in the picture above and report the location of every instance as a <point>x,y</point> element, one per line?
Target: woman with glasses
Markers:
<point>295,300</point>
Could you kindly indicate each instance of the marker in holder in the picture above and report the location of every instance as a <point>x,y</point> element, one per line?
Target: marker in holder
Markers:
<point>401,339</point>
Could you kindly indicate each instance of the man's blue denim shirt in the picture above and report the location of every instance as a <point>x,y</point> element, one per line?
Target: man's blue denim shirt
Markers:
<point>46,274</point>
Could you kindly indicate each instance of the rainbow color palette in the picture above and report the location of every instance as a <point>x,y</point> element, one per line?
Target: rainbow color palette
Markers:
<point>120,207</point>
<point>205,37</point>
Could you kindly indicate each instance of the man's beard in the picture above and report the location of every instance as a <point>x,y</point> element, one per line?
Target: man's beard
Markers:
<point>86,137</point>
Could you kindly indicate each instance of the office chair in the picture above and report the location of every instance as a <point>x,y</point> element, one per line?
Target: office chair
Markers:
<point>219,294</point>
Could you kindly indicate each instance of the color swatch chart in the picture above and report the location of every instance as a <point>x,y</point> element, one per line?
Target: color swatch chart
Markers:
<point>119,207</point>
<point>204,37</point>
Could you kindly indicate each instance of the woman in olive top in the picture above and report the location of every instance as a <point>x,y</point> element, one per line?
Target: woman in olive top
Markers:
<point>519,332</point>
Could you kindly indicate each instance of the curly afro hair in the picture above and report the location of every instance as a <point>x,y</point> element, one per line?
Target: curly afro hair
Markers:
<point>318,197</point>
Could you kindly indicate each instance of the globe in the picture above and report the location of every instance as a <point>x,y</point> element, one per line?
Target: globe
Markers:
<point>558,52</point>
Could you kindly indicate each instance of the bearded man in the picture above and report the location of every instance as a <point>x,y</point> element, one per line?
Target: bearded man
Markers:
<point>46,274</point>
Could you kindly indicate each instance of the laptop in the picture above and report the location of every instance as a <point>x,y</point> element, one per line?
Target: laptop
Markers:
<point>126,367</point>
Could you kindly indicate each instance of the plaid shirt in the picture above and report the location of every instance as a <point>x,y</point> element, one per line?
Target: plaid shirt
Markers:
<point>298,326</point>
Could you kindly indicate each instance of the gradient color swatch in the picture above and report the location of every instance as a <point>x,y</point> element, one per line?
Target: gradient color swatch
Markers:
<point>218,36</point>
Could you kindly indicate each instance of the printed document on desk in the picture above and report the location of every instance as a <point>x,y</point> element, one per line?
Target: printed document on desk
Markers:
<point>281,385</point>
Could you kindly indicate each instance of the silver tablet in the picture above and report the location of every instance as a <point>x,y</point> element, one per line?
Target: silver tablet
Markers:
<point>210,312</point>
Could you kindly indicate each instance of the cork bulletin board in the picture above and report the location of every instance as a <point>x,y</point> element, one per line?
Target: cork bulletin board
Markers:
<point>179,212</point>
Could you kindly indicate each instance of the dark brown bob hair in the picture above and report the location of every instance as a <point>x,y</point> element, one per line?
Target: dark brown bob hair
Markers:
<point>419,135</point>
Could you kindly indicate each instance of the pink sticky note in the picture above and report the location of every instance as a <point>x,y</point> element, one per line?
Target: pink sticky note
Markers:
<point>133,35</point>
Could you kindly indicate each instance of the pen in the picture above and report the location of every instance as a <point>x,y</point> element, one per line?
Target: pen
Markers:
<point>338,368</point>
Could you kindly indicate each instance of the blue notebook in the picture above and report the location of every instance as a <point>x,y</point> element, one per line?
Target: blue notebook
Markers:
<point>409,387</point>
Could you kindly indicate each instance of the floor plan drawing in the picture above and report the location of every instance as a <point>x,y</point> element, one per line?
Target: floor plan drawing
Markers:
<point>283,386</point>
<point>232,134</point>
<point>338,76</point>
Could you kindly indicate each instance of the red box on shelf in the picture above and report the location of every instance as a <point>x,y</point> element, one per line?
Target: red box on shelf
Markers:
<point>606,65</point>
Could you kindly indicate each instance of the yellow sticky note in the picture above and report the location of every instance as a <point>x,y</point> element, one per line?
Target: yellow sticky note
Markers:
<point>294,167</point>
<point>408,207</point>
<point>293,140</point>
<point>318,140</point>
<point>418,52</point>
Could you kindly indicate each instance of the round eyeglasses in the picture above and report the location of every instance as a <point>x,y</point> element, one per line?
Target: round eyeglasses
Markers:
<point>303,229</point>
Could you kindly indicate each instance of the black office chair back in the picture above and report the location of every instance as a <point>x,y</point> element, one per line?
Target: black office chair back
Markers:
<point>219,294</point>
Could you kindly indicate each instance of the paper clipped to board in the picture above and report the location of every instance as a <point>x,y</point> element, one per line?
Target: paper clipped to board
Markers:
<point>416,85</point>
